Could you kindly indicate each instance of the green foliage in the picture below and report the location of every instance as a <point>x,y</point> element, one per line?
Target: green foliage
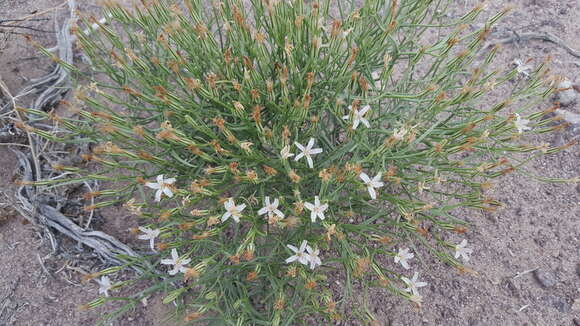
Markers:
<point>213,96</point>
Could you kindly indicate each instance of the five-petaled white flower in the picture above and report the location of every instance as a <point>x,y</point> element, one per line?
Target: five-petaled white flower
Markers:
<point>299,254</point>
<point>313,258</point>
<point>104,285</point>
<point>162,186</point>
<point>177,262</point>
<point>413,284</point>
<point>521,124</point>
<point>403,257</point>
<point>285,152</point>
<point>461,250</point>
<point>150,235</point>
<point>316,210</point>
<point>521,67</point>
<point>373,184</point>
<point>307,152</point>
<point>232,210</point>
<point>271,208</point>
<point>358,116</point>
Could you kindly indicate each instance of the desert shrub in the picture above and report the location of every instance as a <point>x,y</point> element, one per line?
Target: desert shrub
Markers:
<point>265,146</point>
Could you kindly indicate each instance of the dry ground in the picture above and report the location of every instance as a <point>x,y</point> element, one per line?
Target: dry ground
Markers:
<point>538,229</point>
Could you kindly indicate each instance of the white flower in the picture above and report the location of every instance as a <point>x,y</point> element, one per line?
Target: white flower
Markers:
<point>461,250</point>
<point>521,67</point>
<point>345,33</point>
<point>403,256</point>
<point>316,210</point>
<point>313,258</point>
<point>162,186</point>
<point>521,124</point>
<point>358,116</point>
<point>178,263</point>
<point>299,254</point>
<point>413,284</point>
<point>398,134</point>
<point>150,235</point>
<point>232,210</point>
<point>104,285</point>
<point>307,152</point>
<point>285,152</point>
<point>271,208</point>
<point>373,184</point>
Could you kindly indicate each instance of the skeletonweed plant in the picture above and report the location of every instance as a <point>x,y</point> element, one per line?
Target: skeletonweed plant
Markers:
<point>264,146</point>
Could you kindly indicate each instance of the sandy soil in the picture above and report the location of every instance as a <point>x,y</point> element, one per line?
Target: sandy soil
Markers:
<point>538,230</point>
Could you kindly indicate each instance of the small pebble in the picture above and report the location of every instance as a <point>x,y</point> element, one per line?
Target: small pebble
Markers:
<point>568,96</point>
<point>576,305</point>
<point>577,321</point>
<point>546,278</point>
<point>559,303</point>
<point>570,117</point>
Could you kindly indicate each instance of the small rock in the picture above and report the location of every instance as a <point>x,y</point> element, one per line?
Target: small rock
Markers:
<point>546,278</point>
<point>559,303</point>
<point>568,96</point>
<point>577,321</point>
<point>576,305</point>
<point>570,117</point>
<point>511,288</point>
<point>578,269</point>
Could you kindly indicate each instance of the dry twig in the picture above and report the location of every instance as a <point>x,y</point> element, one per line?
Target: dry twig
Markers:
<point>541,36</point>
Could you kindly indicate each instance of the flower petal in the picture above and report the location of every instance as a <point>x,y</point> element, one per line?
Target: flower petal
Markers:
<point>226,216</point>
<point>153,185</point>
<point>313,216</point>
<point>241,207</point>
<point>300,147</point>
<point>168,192</point>
<point>315,151</point>
<point>310,162</point>
<point>364,110</point>
<point>310,143</point>
<point>303,245</point>
<point>372,192</point>
<point>365,122</point>
<point>365,178</point>
<point>291,259</point>
<point>169,181</point>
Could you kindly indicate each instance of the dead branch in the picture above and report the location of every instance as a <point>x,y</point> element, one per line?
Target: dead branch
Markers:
<point>35,203</point>
<point>541,36</point>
